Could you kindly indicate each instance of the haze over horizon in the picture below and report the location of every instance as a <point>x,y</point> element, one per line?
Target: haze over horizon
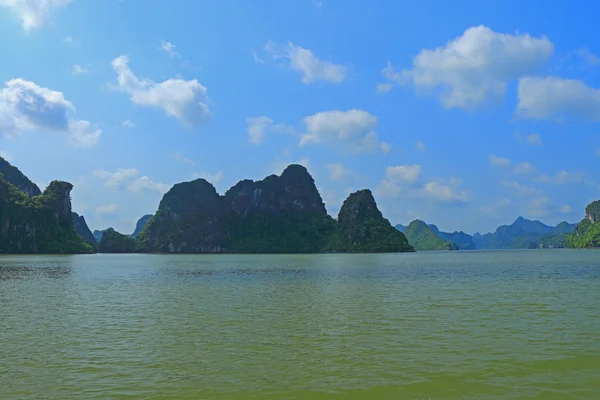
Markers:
<point>465,117</point>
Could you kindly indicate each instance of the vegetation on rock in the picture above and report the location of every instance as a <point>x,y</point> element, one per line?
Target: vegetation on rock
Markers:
<point>587,233</point>
<point>18,179</point>
<point>83,230</point>
<point>115,242</point>
<point>139,226</point>
<point>422,238</point>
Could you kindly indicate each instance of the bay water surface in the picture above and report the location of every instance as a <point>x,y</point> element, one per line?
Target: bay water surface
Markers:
<point>431,325</point>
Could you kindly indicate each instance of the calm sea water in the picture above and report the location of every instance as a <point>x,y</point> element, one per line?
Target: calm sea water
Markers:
<point>456,325</point>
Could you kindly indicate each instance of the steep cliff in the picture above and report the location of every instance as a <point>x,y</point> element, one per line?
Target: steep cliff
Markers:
<point>463,240</point>
<point>362,228</point>
<point>279,214</point>
<point>40,224</point>
<point>18,179</point>
<point>140,225</point>
<point>587,232</point>
<point>83,230</point>
<point>115,242</point>
<point>422,238</point>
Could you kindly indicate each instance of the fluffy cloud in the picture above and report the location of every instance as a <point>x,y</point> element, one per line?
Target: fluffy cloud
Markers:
<point>472,67</point>
<point>183,159</point>
<point>588,56</point>
<point>128,124</point>
<point>521,190</point>
<point>257,127</point>
<point>448,193</point>
<point>566,209</point>
<point>387,189</point>
<point>79,69</point>
<point>385,147</point>
<point>554,97</point>
<point>185,100</point>
<point>108,209</point>
<point>524,168</point>
<point>33,13</point>
<point>353,130</point>
<point>383,87</point>
<point>563,177</point>
<point>25,106</point>
<point>146,184</point>
<point>403,173</point>
<point>337,172</point>
<point>304,61</point>
<point>212,178</point>
<point>118,178</point>
<point>169,48</point>
<point>499,161</point>
<point>533,139</point>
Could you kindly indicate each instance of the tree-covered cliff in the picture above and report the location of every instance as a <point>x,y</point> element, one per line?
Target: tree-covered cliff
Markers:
<point>40,224</point>
<point>139,226</point>
<point>18,179</point>
<point>422,238</point>
<point>362,228</point>
<point>83,230</point>
<point>587,232</point>
<point>115,242</point>
<point>279,214</point>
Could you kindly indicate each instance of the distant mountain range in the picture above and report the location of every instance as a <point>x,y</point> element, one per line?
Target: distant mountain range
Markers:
<point>521,234</point>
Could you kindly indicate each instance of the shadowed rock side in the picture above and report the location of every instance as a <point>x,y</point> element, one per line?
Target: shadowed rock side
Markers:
<point>362,228</point>
<point>18,179</point>
<point>524,234</point>
<point>140,225</point>
<point>587,233</point>
<point>463,240</point>
<point>83,230</point>
<point>423,238</point>
<point>279,214</point>
<point>115,242</point>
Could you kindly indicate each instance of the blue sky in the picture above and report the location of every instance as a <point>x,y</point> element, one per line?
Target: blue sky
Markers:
<point>465,114</point>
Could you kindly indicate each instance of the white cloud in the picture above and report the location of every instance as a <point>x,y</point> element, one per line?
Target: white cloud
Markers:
<point>145,183</point>
<point>79,70</point>
<point>353,130</point>
<point>128,124</point>
<point>33,13</point>
<point>383,87</point>
<point>337,172</point>
<point>25,106</point>
<point>385,147</point>
<point>318,3</point>
<point>257,127</point>
<point>534,139</point>
<point>185,100</point>
<point>554,97</point>
<point>108,209</point>
<point>469,69</point>
<point>566,209</point>
<point>446,193</point>
<point>304,61</point>
<point>257,58</point>
<point>212,178</point>
<point>538,207</point>
<point>403,173</point>
<point>524,168</point>
<point>499,161</point>
<point>420,145</point>
<point>387,189</point>
<point>118,178</point>
<point>588,56</point>
<point>521,190</point>
<point>183,159</point>
<point>83,135</point>
<point>6,155</point>
<point>67,39</point>
<point>168,47</point>
<point>563,177</point>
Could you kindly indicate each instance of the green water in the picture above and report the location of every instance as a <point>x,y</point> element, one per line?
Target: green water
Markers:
<point>459,325</point>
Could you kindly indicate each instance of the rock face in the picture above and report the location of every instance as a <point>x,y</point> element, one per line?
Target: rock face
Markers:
<point>38,224</point>
<point>18,179</point>
<point>115,242</point>
<point>83,230</point>
<point>98,234</point>
<point>140,225</point>
<point>279,214</point>
<point>362,228</point>
<point>423,238</point>
<point>587,233</point>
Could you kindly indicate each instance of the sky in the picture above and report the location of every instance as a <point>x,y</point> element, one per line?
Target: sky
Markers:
<point>465,114</point>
